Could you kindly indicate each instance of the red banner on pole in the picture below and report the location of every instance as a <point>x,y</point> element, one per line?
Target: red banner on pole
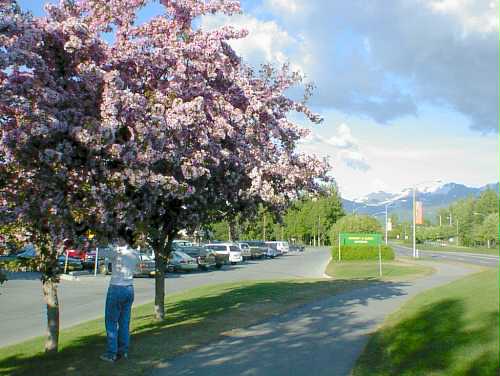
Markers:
<point>419,215</point>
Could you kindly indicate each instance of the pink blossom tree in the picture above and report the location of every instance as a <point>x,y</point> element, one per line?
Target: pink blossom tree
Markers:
<point>205,135</point>
<point>49,129</point>
<point>161,129</point>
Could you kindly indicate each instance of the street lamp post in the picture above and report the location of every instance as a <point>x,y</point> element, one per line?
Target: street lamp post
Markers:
<point>386,206</point>
<point>386,219</point>
<point>414,212</point>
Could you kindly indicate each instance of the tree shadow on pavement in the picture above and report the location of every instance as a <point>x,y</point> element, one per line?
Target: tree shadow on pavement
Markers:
<point>198,319</point>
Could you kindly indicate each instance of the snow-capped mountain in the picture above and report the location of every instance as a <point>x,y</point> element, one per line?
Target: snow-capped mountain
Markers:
<point>381,197</point>
<point>433,196</point>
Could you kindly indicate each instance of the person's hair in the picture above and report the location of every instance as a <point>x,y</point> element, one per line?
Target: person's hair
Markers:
<point>126,233</point>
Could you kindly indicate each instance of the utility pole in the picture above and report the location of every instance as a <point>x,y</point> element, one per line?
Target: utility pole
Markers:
<point>319,232</point>
<point>264,228</point>
<point>386,205</point>
<point>314,234</point>
<point>440,220</point>
<point>414,224</point>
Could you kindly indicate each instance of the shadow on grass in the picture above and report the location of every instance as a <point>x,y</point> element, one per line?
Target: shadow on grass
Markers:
<point>198,318</point>
<point>428,343</point>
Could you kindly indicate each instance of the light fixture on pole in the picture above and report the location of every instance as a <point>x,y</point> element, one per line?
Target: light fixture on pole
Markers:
<point>386,219</point>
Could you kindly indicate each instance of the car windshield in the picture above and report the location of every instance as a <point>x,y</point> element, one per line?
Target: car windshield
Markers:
<point>255,243</point>
<point>244,245</point>
<point>182,243</point>
<point>217,247</point>
<point>181,255</point>
<point>234,248</point>
<point>145,257</point>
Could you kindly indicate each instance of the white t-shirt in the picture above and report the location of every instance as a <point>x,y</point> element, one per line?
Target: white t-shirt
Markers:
<point>123,264</point>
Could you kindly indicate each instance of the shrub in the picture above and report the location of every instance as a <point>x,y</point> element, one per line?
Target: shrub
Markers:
<point>18,265</point>
<point>362,252</point>
<point>354,223</point>
<point>3,277</point>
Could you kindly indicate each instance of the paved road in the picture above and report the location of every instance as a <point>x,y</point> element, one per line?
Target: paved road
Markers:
<point>23,313</point>
<point>468,258</point>
<point>323,338</point>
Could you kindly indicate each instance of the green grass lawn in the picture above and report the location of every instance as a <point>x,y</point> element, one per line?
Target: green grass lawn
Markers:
<point>428,247</point>
<point>448,331</point>
<point>391,270</point>
<point>194,318</point>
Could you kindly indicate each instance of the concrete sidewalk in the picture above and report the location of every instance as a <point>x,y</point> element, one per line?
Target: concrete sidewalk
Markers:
<point>323,338</point>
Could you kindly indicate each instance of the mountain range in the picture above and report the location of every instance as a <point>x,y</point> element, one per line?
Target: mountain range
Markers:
<point>433,196</point>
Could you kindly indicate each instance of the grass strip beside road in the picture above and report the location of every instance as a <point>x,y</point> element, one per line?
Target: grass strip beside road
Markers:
<point>452,248</point>
<point>447,331</point>
<point>391,270</point>
<point>194,318</point>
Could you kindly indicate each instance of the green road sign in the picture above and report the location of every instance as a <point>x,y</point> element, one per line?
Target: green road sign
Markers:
<point>347,238</point>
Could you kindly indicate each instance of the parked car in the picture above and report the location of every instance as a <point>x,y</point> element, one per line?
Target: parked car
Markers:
<point>146,266</point>
<point>181,243</point>
<point>206,258</point>
<point>103,263</point>
<point>280,246</point>
<point>180,261</point>
<point>89,260</point>
<point>230,250</point>
<point>261,246</point>
<point>221,258</point>
<point>27,252</point>
<point>77,253</point>
<point>73,263</point>
<point>246,252</point>
<point>296,248</point>
<point>256,252</point>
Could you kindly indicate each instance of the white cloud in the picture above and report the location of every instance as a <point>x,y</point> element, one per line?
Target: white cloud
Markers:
<point>288,6</point>
<point>343,145</point>
<point>343,139</point>
<point>354,159</point>
<point>474,16</point>
<point>378,184</point>
<point>386,59</point>
<point>266,41</point>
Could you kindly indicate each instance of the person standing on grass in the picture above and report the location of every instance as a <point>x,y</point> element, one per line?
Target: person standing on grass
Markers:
<point>119,300</point>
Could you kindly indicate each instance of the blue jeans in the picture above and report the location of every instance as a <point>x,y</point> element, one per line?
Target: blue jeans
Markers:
<point>117,317</point>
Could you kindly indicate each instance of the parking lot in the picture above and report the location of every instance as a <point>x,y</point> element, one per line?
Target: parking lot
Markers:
<point>23,312</point>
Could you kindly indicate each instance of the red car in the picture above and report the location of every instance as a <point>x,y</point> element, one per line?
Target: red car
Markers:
<point>77,253</point>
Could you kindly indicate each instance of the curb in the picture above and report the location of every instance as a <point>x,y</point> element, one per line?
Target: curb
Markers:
<point>67,277</point>
<point>328,263</point>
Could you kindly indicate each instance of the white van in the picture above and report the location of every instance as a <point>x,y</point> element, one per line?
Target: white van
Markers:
<point>229,249</point>
<point>281,246</point>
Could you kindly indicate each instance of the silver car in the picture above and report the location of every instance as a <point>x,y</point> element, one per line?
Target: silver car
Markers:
<point>246,252</point>
<point>180,261</point>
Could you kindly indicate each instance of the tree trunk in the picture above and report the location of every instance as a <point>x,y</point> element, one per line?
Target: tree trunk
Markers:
<point>159,285</point>
<point>50,297</point>
<point>160,266</point>
<point>162,251</point>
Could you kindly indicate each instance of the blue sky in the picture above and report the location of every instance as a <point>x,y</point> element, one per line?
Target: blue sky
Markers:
<point>408,88</point>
